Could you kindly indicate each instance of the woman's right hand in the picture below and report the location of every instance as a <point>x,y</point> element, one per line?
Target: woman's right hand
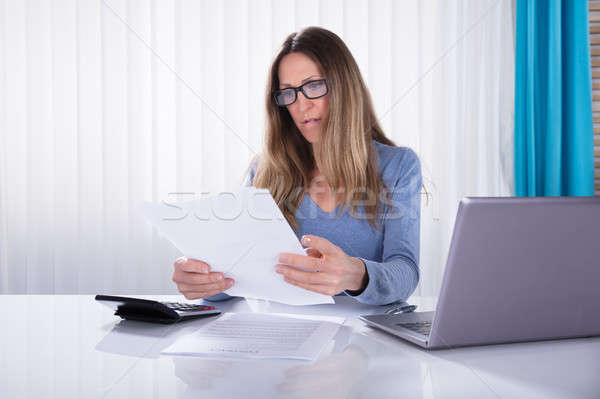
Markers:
<point>195,280</point>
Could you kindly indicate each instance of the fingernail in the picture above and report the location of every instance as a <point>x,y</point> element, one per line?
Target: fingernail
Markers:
<point>230,284</point>
<point>306,240</point>
<point>283,259</point>
<point>204,271</point>
<point>219,278</point>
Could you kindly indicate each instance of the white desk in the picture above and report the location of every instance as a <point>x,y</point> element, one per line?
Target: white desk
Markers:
<point>72,347</point>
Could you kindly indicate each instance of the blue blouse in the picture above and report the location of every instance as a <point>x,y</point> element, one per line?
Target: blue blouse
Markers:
<point>390,251</point>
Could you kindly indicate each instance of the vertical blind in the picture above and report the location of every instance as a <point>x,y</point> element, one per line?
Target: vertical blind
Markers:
<point>106,103</point>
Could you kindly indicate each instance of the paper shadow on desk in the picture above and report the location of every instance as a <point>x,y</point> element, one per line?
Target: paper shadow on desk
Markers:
<point>332,375</point>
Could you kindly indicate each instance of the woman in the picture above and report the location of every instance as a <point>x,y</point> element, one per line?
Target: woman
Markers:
<point>349,193</point>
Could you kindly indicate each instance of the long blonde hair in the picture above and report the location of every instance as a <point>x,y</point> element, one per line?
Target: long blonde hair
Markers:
<point>345,155</point>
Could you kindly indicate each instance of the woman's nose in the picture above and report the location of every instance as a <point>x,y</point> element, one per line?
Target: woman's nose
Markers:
<point>303,102</point>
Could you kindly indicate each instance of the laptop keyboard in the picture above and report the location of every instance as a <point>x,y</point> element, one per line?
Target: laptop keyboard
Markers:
<point>422,327</point>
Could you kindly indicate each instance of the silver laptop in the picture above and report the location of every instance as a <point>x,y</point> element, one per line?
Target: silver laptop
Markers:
<point>518,269</point>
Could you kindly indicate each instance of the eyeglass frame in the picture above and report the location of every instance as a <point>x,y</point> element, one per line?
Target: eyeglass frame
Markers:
<point>301,88</point>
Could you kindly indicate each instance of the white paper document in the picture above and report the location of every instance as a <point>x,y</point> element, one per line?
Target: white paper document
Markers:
<point>258,336</point>
<point>240,234</point>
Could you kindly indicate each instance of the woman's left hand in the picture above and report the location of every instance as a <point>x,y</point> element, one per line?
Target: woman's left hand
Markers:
<point>329,270</point>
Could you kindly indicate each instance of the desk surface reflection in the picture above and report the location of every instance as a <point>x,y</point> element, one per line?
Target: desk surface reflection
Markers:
<point>69,346</point>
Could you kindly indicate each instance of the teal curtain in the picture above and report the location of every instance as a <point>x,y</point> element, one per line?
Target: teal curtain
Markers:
<point>554,138</point>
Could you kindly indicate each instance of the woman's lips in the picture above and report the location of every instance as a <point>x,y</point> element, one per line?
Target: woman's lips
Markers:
<point>311,122</point>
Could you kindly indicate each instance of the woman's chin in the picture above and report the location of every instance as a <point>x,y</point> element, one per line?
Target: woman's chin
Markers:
<point>311,136</point>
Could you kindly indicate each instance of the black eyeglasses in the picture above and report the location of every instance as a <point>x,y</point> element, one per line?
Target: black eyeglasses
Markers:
<point>311,90</point>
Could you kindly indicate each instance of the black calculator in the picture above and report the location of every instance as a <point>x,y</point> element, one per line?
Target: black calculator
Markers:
<point>154,311</point>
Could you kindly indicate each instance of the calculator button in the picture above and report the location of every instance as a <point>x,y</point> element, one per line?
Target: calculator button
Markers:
<point>187,307</point>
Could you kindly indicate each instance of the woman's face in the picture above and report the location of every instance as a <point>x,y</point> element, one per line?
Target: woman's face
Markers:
<point>310,116</point>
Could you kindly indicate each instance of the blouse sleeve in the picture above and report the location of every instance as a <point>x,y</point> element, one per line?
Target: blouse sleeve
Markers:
<point>397,275</point>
